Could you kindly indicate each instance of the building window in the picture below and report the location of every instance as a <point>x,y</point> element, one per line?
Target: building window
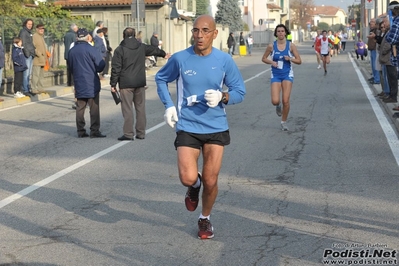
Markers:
<point>127,20</point>
<point>241,2</point>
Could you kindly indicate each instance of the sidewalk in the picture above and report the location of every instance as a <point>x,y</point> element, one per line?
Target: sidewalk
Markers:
<point>365,68</point>
<point>51,92</point>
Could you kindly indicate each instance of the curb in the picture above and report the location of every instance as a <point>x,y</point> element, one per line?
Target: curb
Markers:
<point>51,92</point>
<point>386,106</point>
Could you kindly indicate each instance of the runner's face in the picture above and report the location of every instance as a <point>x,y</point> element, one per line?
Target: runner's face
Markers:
<point>204,32</point>
<point>281,33</point>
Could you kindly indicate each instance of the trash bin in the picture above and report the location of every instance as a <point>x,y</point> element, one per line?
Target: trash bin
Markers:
<point>243,50</point>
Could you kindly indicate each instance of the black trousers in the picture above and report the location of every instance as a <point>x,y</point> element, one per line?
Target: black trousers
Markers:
<point>69,75</point>
<point>107,59</point>
<point>94,104</point>
<point>18,79</point>
<point>392,74</point>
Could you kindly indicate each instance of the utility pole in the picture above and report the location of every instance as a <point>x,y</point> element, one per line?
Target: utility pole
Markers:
<point>362,18</point>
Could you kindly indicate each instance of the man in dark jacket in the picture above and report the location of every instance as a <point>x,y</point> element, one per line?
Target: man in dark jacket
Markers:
<point>69,38</point>
<point>85,62</point>
<point>29,51</point>
<point>128,69</point>
<point>231,43</point>
<point>155,42</point>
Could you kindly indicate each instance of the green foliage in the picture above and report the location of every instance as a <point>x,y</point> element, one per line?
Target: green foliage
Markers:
<point>245,26</point>
<point>202,8</point>
<point>229,13</point>
<point>323,26</point>
<point>56,20</point>
<point>337,27</point>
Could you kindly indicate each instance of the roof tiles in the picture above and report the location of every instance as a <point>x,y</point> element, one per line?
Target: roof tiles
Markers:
<point>80,3</point>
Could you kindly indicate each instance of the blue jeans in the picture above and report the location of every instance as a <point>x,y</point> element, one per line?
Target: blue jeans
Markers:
<point>376,73</point>
<point>27,73</point>
<point>231,50</point>
<point>250,49</point>
<point>385,79</point>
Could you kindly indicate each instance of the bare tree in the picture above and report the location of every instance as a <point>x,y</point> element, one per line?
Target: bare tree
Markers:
<point>301,12</point>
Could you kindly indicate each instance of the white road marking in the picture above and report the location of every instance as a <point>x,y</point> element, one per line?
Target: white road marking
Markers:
<point>77,165</point>
<point>389,131</point>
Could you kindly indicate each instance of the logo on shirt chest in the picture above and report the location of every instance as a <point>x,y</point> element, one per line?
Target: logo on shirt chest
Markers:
<point>190,72</point>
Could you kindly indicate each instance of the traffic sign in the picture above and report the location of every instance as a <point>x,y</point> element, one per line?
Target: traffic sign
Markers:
<point>353,23</point>
<point>369,4</point>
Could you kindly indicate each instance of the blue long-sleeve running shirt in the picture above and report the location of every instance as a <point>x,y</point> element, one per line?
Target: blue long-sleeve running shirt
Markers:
<point>194,75</point>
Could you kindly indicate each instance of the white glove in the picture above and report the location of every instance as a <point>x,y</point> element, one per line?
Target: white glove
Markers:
<point>170,116</point>
<point>213,97</point>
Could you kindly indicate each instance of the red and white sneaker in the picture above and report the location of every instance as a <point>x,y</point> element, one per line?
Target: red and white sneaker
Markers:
<point>205,229</point>
<point>192,197</point>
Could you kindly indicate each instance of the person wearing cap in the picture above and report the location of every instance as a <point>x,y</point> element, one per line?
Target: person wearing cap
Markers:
<point>128,70</point>
<point>392,37</point>
<point>85,62</point>
<point>39,60</point>
<point>155,42</point>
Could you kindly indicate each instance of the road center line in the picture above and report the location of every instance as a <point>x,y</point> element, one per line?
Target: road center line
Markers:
<point>389,131</point>
<point>77,165</point>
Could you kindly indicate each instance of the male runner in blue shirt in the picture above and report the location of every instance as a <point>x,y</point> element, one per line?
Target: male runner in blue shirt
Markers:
<point>200,72</point>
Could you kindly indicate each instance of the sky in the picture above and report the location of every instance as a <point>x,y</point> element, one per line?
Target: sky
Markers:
<point>341,3</point>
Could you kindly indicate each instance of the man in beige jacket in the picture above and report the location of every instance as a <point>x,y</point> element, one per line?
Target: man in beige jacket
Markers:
<point>39,61</point>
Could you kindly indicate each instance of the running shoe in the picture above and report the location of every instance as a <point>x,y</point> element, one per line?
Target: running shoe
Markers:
<point>319,67</point>
<point>325,72</point>
<point>284,126</point>
<point>205,229</point>
<point>278,110</point>
<point>192,197</point>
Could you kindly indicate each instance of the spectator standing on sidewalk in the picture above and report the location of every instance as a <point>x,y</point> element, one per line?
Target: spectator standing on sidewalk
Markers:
<point>39,61</point>
<point>155,42</point>
<point>392,38</point>
<point>108,56</point>
<point>29,50</point>
<point>99,25</point>
<point>372,45</point>
<point>69,38</point>
<point>85,62</point>
<point>2,64</point>
<point>200,117</point>
<point>384,51</point>
<point>250,43</point>
<point>128,70</point>
<point>19,62</point>
<point>231,43</point>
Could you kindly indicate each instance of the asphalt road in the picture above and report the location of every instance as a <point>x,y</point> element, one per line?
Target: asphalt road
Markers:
<point>326,187</point>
